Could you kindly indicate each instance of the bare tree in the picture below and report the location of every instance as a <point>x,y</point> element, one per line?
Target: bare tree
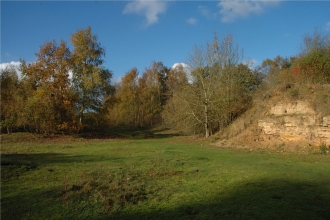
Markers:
<point>208,100</point>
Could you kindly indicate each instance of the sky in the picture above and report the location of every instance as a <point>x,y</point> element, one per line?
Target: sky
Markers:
<point>135,33</point>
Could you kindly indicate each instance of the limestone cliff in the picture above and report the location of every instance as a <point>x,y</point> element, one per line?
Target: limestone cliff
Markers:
<point>294,121</point>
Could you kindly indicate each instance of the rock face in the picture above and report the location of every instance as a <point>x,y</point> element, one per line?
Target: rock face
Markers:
<point>294,121</point>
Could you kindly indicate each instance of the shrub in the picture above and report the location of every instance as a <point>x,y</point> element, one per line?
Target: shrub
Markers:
<point>294,93</point>
<point>313,67</point>
<point>323,149</point>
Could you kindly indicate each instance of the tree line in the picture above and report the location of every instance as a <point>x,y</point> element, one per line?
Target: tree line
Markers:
<point>59,88</point>
<point>69,91</point>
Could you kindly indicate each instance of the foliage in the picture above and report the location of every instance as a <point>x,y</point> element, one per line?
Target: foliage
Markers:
<point>294,94</point>
<point>140,101</point>
<point>321,101</point>
<point>67,90</point>
<point>128,103</point>
<point>58,88</point>
<point>323,149</point>
<point>318,40</point>
<point>313,67</point>
<point>218,91</point>
<point>49,99</point>
<point>10,102</point>
<point>275,70</point>
<point>90,81</point>
<point>152,93</point>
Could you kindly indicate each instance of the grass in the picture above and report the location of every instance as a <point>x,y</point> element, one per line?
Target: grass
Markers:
<point>160,176</point>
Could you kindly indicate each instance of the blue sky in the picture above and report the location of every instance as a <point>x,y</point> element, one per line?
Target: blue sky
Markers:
<point>135,33</point>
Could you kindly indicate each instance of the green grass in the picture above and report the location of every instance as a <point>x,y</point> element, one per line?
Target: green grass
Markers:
<point>164,177</point>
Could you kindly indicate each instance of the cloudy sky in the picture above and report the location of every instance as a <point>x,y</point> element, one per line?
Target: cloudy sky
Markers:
<point>135,33</point>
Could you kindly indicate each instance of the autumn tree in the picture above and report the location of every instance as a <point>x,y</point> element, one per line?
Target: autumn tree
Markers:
<point>172,114</point>
<point>317,40</point>
<point>175,80</point>
<point>90,80</point>
<point>152,93</point>
<point>49,106</point>
<point>127,104</point>
<point>218,82</point>
<point>237,83</point>
<point>139,101</point>
<point>10,102</point>
<point>272,68</point>
<point>313,63</point>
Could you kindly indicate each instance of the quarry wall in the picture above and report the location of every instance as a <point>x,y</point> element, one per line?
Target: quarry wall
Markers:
<point>294,121</point>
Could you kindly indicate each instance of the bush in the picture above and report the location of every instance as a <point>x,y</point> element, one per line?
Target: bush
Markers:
<point>323,149</point>
<point>313,67</point>
<point>294,93</point>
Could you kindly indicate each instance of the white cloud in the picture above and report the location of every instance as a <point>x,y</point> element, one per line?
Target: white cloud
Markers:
<point>116,80</point>
<point>254,62</point>
<point>150,9</point>
<point>186,68</point>
<point>232,10</point>
<point>205,11</point>
<point>192,21</point>
<point>251,63</point>
<point>14,64</point>
<point>327,26</point>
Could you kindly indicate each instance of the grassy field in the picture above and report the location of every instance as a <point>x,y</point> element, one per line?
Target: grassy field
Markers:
<point>147,176</point>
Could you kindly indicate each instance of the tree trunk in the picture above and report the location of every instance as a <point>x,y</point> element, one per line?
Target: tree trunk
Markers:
<point>80,119</point>
<point>9,129</point>
<point>206,122</point>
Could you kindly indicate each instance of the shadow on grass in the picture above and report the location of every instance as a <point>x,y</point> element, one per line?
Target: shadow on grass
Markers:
<point>124,132</point>
<point>14,165</point>
<point>167,135</point>
<point>260,199</point>
<point>118,132</point>
<point>263,199</point>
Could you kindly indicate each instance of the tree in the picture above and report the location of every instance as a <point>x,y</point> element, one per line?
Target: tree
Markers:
<point>272,69</point>
<point>50,101</point>
<point>317,40</point>
<point>313,64</point>
<point>128,103</point>
<point>175,80</point>
<point>172,115</point>
<point>140,100</point>
<point>219,81</point>
<point>152,93</point>
<point>90,80</point>
<point>10,102</point>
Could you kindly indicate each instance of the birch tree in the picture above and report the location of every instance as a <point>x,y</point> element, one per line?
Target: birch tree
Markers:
<point>128,100</point>
<point>209,100</point>
<point>89,79</point>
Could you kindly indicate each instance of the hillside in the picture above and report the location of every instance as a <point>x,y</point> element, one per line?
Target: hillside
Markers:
<point>295,117</point>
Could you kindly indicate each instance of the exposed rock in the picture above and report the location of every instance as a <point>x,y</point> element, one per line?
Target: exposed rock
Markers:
<point>288,121</point>
<point>299,107</point>
<point>326,121</point>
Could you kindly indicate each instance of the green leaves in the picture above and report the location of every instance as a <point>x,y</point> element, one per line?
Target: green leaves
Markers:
<point>90,80</point>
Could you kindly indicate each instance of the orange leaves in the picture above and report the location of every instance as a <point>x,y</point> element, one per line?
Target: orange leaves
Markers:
<point>140,100</point>
<point>51,103</point>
